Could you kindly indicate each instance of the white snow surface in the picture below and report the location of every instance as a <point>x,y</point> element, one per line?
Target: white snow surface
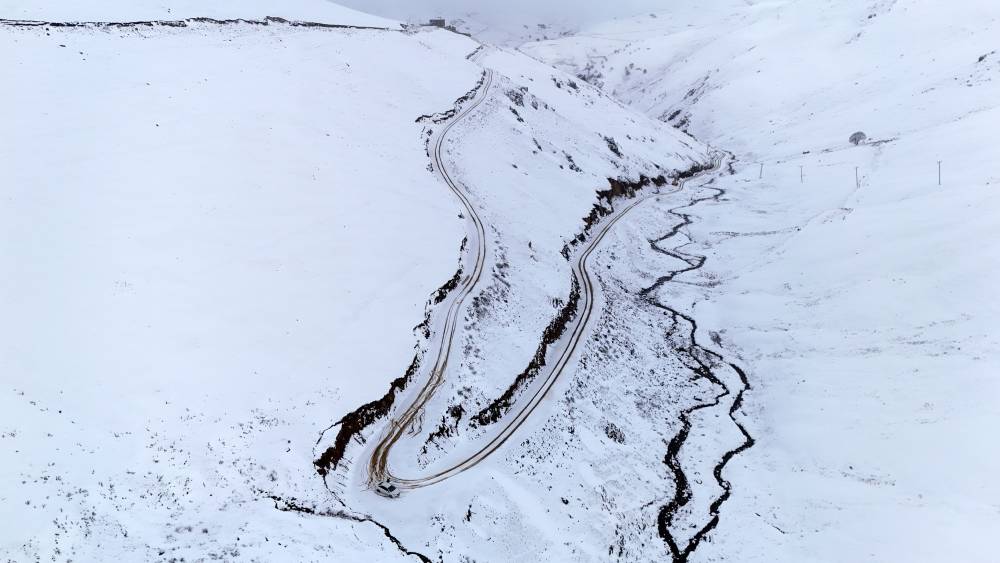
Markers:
<point>864,312</point>
<point>193,283</point>
<point>533,202</point>
<point>216,241</point>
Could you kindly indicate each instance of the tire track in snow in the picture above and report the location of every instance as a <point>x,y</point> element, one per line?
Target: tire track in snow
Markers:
<point>379,461</point>
<point>354,423</point>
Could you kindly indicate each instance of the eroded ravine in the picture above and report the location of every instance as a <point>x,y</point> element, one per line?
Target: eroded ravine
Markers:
<point>704,364</point>
<point>294,505</point>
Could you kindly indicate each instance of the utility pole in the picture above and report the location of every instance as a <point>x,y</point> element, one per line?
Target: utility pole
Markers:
<point>801,176</point>
<point>857,179</point>
<point>761,170</point>
<point>939,172</point>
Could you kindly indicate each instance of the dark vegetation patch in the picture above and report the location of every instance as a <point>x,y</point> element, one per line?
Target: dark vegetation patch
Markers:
<point>448,426</point>
<point>591,74</point>
<point>613,146</point>
<point>353,423</point>
<point>605,204</point>
<point>516,96</point>
<point>695,168</point>
<point>445,289</point>
<point>615,433</point>
<point>494,295</point>
<point>474,52</point>
<point>502,404</point>
<point>569,83</point>
<point>572,163</point>
<point>445,116</point>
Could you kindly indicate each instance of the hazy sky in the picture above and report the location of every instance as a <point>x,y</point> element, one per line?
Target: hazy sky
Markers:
<point>509,12</point>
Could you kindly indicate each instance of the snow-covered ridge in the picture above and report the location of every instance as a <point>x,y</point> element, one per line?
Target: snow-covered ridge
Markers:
<point>181,221</point>
<point>530,203</point>
<point>233,237</point>
<point>146,10</point>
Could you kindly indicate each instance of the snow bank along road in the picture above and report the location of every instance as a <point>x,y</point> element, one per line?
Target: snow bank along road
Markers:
<point>378,464</point>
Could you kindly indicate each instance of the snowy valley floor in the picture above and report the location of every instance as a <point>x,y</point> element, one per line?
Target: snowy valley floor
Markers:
<point>855,287</point>
<point>868,333</point>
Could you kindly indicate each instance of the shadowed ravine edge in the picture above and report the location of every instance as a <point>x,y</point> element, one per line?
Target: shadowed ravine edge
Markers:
<point>703,362</point>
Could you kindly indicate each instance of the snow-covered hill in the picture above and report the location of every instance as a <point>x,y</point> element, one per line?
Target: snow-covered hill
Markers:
<point>485,29</point>
<point>192,284</point>
<point>141,10</point>
<point>217,238</point>
<point>857,289</point>
<point>229,257</point>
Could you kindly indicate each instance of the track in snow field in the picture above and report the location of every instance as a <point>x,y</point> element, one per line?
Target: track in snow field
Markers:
<point>378,464</point>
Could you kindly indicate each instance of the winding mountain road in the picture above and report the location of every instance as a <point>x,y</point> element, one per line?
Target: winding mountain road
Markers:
<point>378,464</point>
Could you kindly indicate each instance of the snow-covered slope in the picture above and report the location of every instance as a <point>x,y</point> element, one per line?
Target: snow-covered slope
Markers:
<point>221,241</point>
<point>191,282</point>
<point>856,288</point>
<point>484,28</point>
<point>216,241</point>
<point>530,157</point>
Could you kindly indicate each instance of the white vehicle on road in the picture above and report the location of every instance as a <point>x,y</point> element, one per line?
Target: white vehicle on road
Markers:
<point>387,489</point>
